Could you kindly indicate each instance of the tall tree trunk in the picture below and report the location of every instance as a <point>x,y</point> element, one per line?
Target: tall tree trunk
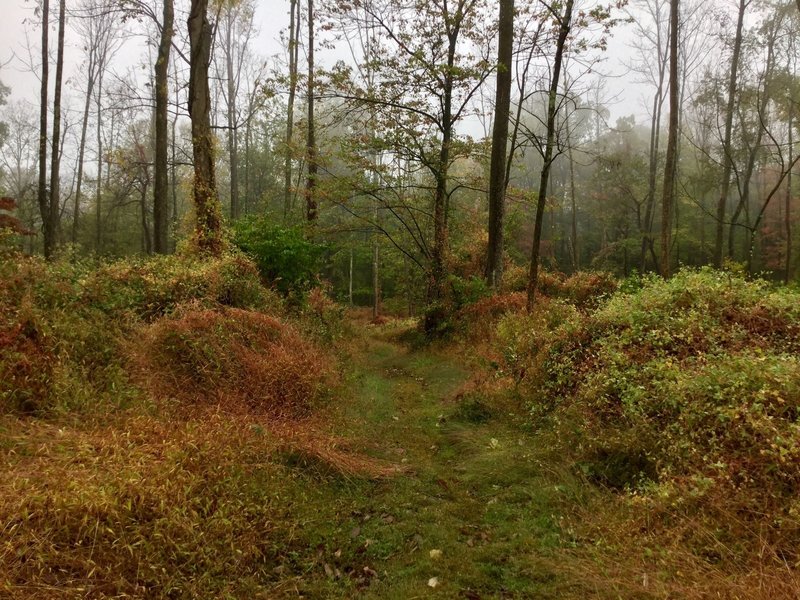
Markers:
<point>99,187</point>
<point>82,149</point>
<point>787,277</point>
<point>497,168</point>
<point>563,33</point>
<point>161,175</point>
<point>574,248</point>
<point>655,139</point>
<point>208,228</point>
<point>233,134</point>
<point>44,204</point>
<point>671,167</point>
<point>438,270</point>
<point>727,156</point>
<point>755,147</point>
<point>311,148</point>
<point>55,151</point>
<point>294,30</point>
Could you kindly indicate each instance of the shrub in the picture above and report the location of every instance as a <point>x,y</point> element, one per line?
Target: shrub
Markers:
<point>236,359</point>
<point>284,256</point>
<point>61,323</point>
<point>693,383</point>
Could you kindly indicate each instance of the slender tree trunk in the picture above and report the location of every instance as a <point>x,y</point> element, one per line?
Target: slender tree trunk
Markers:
<point>81,151</point>
<point>44,204</point>
<point>497,168</point>
<point>350,280</point>
<point>438,271</point>
<point>233,134</point>
<point>574,248</point>
<point>755,148</point>
<point>99,188</point>
<point>294,30</point>
<point>788,221</point>
<point>563,33</point>
<point>311,144</point>
<point>727,156</point>
<point>655,139</point>
<point>376,285</point>
<point>161,175</point>
<point>55,152</point>
<point>671,167</point>
<point>208,229</point>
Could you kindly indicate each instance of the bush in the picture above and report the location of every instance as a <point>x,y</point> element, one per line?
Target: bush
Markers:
<point>692,384</point>
<point>61,323</point>
<point>285,258</point>
<point>239,360</point>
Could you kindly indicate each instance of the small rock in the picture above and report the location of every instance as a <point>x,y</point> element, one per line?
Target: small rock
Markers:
<point>433,582</point>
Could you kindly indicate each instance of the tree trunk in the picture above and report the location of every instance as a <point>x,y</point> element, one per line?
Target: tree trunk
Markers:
<point>497,168</point>
<point>233,134</point>
<point>208,228</point>
<point>671,167</point>
<point>99,187</point>
<point>755,147</point>
<point>311,149</point>
<point>55,151</point>
<point>82,149</point>
<point>563,33</point>
<point>788,222</point>
<point>438,271</point>
<point>161,175</point>
<point>727,157</point>
<point>294,30</point>
<point>44,208</point>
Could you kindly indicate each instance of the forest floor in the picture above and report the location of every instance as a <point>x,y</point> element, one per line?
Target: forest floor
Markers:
<point>476,512</point>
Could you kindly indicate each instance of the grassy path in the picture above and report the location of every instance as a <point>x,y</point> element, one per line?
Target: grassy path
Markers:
<point>474,510</point>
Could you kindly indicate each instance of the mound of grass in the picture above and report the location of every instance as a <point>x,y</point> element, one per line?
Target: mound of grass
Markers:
<point>61,323</point>
<point>237,359</point>
<point>686,391</point>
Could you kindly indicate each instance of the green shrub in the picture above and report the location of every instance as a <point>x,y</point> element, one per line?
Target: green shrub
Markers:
<point>693,383</point>
<point>285,258</point>
<point>61,323</point>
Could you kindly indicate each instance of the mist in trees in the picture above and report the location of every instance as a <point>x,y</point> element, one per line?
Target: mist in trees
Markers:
<point>428,146</point>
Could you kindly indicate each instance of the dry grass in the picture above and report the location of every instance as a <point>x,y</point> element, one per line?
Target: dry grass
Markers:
<point>241,361</point>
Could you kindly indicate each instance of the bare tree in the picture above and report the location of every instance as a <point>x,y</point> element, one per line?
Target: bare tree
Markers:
<point>671,167</point>
<point>44,207</point>
<point>564,20</point>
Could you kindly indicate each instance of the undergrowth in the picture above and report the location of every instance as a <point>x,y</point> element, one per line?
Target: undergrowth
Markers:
<point>682,395</point>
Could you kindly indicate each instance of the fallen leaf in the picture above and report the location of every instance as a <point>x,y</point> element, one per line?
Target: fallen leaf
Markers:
<point>435,554</point>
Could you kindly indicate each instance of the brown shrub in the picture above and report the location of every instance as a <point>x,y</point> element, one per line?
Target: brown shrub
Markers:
<point>236,359</point>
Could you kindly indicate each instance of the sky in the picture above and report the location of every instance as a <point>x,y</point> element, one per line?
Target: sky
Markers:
<point>272,16</point>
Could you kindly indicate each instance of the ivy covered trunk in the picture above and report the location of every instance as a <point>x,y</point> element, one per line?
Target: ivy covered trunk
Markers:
<point>208,229</point>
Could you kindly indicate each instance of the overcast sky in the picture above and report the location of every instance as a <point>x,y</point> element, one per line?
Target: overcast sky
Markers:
<point>271,17</point>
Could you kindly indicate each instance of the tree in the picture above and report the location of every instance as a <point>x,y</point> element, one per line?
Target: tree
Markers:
<point>311,143</point>
<point>497,168</point>
<point>96,25</point>
<point>727,150</point>
<point>44,205</point>
<point>162,133</point>
<point>671,167</point>
<point>293,49</point>
<point>564,20</point>
<point>208,225</point>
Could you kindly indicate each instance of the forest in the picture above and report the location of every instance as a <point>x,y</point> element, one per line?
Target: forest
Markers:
<point>400,299</point>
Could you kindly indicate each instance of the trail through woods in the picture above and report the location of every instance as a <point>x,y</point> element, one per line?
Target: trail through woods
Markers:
<point>473,516</point>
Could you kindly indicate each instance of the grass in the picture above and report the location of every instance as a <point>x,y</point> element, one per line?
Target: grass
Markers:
<point>421,466</point>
